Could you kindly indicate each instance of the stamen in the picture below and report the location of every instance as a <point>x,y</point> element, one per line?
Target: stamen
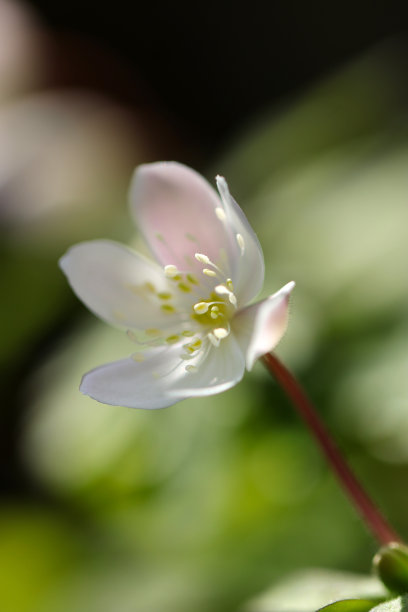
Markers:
<point>164,295</point>
<point>201,307</point>
<point>214,314</point>
<point>184,287</point>
<point>222,290</point>
<point>232,298</point>
<point>229,284</point>
<point>241,243</point>
<point>172,339</point>
<point>220,332</point>
<point>192,279</point>
<point>167,308</point>
<point>153,331</point>
<point>191,368</point>
<point>171,271</point>
<point>187,333</point>
<point>202,258</point>
<point>189,349</point>
<point>150,287</point>
<point>208,272</point>
<point>214,341</point>
<point>220,213</point>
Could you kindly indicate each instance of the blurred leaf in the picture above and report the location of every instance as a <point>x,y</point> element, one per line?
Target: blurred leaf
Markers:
<point>34,295</point>
<point>36,550</point>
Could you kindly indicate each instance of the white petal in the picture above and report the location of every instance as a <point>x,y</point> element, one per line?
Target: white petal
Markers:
<point>175,208</point>
<point>116,284</point>
<point>133,384</point>
<point>259,327</point>
<point>219,369</point>
<point>248,273</point>
<point>162,379</point>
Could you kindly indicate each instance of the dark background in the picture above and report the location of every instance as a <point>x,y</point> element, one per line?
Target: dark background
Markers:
<point>210,66</point>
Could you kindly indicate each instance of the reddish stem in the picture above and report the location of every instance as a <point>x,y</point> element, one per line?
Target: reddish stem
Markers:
<point>365,506</point>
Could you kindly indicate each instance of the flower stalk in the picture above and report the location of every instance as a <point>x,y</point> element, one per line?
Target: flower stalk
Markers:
<point>369,512</point>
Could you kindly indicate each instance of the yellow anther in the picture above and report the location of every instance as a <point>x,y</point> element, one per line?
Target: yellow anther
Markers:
<point>200,308</point>
<point>220,332</point>
<point>229,284</point>
<point>189,348</point>
<point>208,272</point>
<point>138,357</point>
<point>172,339</point>
<point>196,344</point>
<point>164,295</point>
<point>171,271</point>
<point>241,243</point>
<point>150,287</point>
<point>192,279</point>
<point>153,332</point>
<point>184,287</point>
<point>202,258</point>
<point>220,213</point>
<point>167,308</point>
<point>187,333</point>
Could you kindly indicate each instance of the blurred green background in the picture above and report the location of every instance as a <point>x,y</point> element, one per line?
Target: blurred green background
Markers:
<point>207,504</point>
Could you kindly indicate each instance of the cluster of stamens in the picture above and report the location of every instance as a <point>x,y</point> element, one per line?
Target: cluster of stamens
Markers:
<point>211,314</point>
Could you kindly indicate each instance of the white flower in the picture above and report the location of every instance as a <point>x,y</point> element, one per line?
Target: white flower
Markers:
<point>188,313</point>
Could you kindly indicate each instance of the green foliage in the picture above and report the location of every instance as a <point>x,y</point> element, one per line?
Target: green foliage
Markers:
<point>350,605</point>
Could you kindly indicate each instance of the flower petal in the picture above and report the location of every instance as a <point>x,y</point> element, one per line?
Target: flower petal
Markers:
<point>131,383</point>
<point>175,208</point>
<point>119,285</point>
<point>248,274</point>
<point>162,379</point>
<point>259,327</point>
<point>220,368</point>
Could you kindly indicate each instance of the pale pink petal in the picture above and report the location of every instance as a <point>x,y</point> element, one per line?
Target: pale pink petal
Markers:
<point>162,378</point>
<point>249,268</point>
<point>259,327</point>
<point>118,285</point>
<point>175,208</point>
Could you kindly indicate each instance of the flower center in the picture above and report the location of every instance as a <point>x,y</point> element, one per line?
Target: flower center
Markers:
<point>212,314</point>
